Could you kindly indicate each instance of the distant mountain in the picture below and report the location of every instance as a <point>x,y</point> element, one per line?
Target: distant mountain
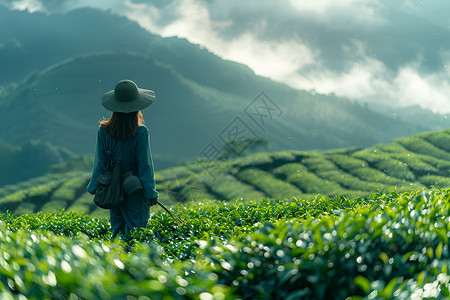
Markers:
<point>202,100</point>
<point>414,114</point>
<point>61,105</point>
<point>32,159</point>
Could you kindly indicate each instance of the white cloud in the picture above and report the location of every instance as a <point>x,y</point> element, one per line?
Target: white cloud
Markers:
<point>192,19</point>
<point>272,59</point>
<point>432,91</point>
<point>292,62</point>
<point>269,58</point>
<point>362,80</point>
<point>288,58</point>
<point>342,13</point>
<point>29,5</point>
<point>370,81</point>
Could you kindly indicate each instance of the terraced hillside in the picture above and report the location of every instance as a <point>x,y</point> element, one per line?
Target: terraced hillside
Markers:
<point>406,164</point>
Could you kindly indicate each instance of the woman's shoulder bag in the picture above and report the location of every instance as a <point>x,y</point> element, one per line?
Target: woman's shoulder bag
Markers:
<point>109,193</point>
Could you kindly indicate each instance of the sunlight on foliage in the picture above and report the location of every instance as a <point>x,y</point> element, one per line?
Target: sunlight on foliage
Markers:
<point>390,246</point>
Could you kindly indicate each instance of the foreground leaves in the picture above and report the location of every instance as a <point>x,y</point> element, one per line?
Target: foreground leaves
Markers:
<point>395,250</point>
<point>387,246</point>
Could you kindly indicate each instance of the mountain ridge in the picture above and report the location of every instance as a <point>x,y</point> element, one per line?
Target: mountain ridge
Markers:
<point>54,92</point>
<point>198,93</point>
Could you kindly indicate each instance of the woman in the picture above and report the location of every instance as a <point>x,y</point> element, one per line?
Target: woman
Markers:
<point>127,138</point>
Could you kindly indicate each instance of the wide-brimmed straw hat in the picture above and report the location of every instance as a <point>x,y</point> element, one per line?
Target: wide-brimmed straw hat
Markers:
<point>127,97</point>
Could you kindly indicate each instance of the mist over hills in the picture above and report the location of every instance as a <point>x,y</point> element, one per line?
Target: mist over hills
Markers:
<point>76,57</point>
<point>32,159</point>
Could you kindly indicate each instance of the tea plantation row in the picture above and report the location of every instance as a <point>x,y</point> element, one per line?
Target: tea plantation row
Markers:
<point>406,164</point>
<point>386,246</point>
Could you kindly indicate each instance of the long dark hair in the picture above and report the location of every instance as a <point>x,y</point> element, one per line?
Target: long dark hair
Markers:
<point>123,125</point>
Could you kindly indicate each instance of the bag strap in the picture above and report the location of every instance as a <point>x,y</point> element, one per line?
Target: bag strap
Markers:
<point>109,163</point>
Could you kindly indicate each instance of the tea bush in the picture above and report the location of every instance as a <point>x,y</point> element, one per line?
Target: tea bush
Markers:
<point>439,139</point>
<point>395,250</point>
<point>349,181</point>
<point>419,145</point>
<point>347,163</point>
<point>319,163</point>
<point>433,180</point>
<point>389,246</point>
<point>226,186</point>
<point>373,175</point>
<point>41,265</point>
<point>415,163</point>
<point>270,185</point>
<point>396,169</point>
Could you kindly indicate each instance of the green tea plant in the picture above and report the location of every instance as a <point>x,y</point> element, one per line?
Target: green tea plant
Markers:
<point>346,162</point>
<point>324,248</point>
<point>433,180</point>
<point>394,250</point>
<point>419,145</point>
<point>270,185</point>
<point>226,186</point>
<point>306,181</point>
<point>439,139</point>
<point>42,265</point>
<point>391,246</point>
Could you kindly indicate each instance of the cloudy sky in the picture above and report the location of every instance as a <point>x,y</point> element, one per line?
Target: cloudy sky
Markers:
<point>395,52</point>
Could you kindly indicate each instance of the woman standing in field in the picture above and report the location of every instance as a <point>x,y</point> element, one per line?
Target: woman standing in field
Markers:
<point>126,137</point>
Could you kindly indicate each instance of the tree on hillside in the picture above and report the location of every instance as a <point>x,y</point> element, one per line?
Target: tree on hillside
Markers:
<point>239,147</point>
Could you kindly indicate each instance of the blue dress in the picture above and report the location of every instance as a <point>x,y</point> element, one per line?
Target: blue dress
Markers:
<point>135,155</point>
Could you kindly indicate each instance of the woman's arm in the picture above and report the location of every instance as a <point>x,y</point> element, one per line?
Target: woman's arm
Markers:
<point>145,164</point>
<point>100,162</point>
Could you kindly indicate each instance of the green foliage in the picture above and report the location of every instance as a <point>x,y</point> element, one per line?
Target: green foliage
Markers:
<point>77,163</point>
<point>32,159</point>
<point>419,145</point>
<point>433,180</point>
<point>439,139</point>
<point>369,174</point>
<point>396,168</point>
<point>298,175</point>
<point>225,186</point>
<point>319,163</point>
<point>347,172</point>
<point>58,222</point>
<point>49,192</point>
<point>387,250</point>
<point>271,186</point>
<point>383,246</point>
<point>415,163</point>
<point>238,147</point>
<point>347,163</point>
<point>349,181</point>
<point>255,160</point>
<point>41,265</point>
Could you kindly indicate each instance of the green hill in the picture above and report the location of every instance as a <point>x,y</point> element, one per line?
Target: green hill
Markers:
<point>62,106</point>
<point>32,159</point>
<point>406,164</point>
<point>78,56</point>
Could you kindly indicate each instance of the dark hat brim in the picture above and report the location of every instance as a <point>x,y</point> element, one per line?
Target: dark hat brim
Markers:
<point>145,99</point>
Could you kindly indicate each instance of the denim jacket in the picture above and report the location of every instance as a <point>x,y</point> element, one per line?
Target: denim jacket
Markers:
<point>134,153</point>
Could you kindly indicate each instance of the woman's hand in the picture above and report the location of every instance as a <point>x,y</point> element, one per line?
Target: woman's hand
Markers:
<point>152,202</point>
